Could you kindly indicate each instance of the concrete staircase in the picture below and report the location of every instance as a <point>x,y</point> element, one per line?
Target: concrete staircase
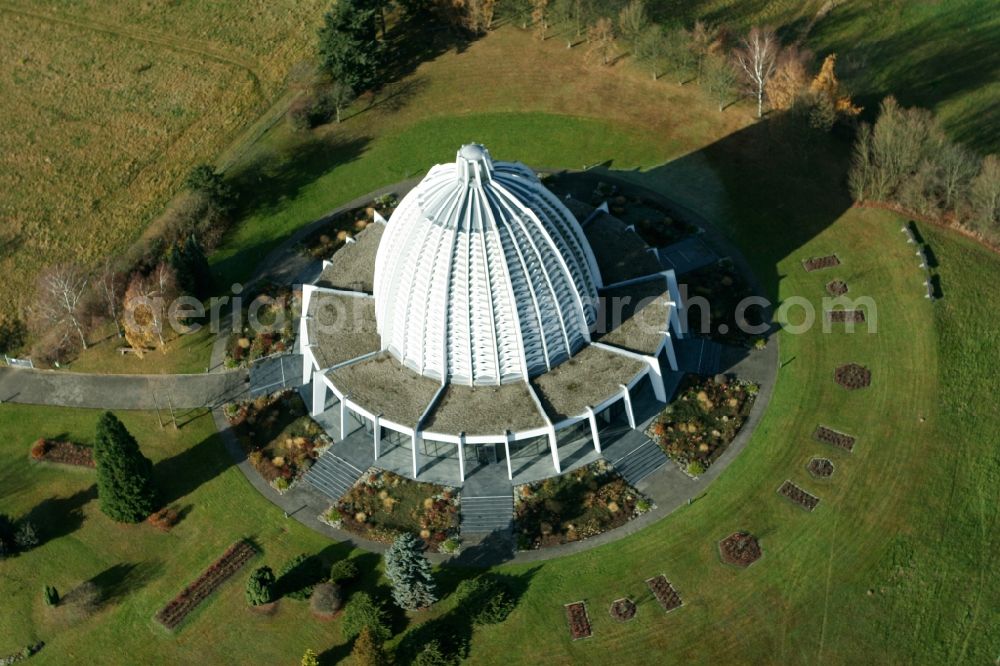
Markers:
<point>332,475</point>
<point>484,514</point>
<point>640,462</point>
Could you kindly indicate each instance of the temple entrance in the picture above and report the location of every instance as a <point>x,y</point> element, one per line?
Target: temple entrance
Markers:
<point>480,455</point>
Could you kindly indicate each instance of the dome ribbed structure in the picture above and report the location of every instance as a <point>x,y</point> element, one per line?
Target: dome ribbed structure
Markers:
<point>483,276</point>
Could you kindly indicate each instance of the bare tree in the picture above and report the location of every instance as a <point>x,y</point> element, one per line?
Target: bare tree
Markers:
<point>601,40</point>
<point>147,301</point>
<point>956,167</point>
<point>540,17</point>
<point>109,288</point>
<point>719,78</point>
<point>756,57</point>
<point>984,194</point>
<point>632,20</point>
<point>651,47</point>
<point>59,302</point>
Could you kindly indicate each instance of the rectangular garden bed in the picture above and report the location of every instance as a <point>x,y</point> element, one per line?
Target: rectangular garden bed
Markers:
<point>237,555</point>
<point>702,420</point>
<point>63,453</point>
<point>664,592</point>
<point>579,621</point>
<point>834,438</point>
<point>818,263</point>
<point>580,504</point>
<point>798,496</point>
<point>846,316</point>
<point>382,505</point>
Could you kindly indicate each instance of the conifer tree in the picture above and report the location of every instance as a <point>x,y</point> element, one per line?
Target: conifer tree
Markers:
<point>410,573</point>
<point>368,651</point>
<point>124,475</point>
<point>260,586</point>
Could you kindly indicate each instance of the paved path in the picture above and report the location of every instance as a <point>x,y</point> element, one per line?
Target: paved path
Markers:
<point>74,389</point>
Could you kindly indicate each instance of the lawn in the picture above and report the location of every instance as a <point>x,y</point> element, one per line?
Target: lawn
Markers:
<point>893,566</point>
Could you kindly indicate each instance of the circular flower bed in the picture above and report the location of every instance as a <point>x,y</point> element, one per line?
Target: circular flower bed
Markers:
<point>853,376</point>
<point>740,548</point>
<point>623,610</point>
<point>821,468</point>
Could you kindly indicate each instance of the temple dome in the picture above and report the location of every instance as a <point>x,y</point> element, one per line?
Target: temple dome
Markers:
<point>482,275</point>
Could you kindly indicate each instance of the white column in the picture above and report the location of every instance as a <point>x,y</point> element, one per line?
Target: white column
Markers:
<point>378,435</point>
<point>656,377</point>
<point>554,447</point>
<point>506,449</point>
<point>675,296</point>
<point>627,398</point>
<point>668,344</point>
<point>675,322</point>
<point>319,394</point>
<point>343,417</point>
<point>415,441</point>
<point>593,429</point>
<point>461,457</point>
<point>307,361</point>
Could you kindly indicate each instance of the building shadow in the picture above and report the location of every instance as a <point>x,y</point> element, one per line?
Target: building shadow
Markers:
<point>179,476</point>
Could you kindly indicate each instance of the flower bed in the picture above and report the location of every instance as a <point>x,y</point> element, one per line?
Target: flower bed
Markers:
<point>276,309</point>
<point>237,555</point>
<point>622,610</point>
<point>585,502</point>
<point>664,592</point>
<point>279,438</point>
<point>579,622</point>
<point>821,468</point>
<point>853,376</point>
<point>723,288</point>
<point>836,288</point>
<point>331,236</point>
<point>64,453</point>
<point>819,263</point>
<point>798,496</point>
<point>834,438</point>
<point>382,505</point>
<point>846,316</point>
<point>740,549</point>
<point>700,423</point>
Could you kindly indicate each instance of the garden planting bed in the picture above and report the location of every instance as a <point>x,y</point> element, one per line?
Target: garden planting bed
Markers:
<point>798,496</point>
<point>331,236</point>
<point>724,289</point>
<point>834,438</point>
<point>237,555</point>
<point>846,316</point>
<point>853,376</point>
<point>665,593</point>
<point>821,468</point>
<point>740,549</point>
<point>700,423</point>
<point>819,263</point>
<point>622,610</point>
<point>279,438</point>
<point>276,309</point>
<point>63,453</point>
<point>836,288</point>
<point>382,505</point>
<point>574,506</point>
<point>579,622</point>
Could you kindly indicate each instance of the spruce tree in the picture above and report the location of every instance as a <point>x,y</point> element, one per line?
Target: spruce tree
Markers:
<point>347,44</point>
<point>124,475</point>
<point>410,573</point>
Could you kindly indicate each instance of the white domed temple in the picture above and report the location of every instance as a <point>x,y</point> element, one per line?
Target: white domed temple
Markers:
<point>487,322</point>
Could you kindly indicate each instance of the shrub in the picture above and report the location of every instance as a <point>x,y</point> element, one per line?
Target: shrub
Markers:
<point>281,484</point>
<point>260,586</point>
<point>643,505</point>
<point>450,545</point>
<point>364,612</point>
<point>343,570</point>
<point>26,538</point>
<point>368,650</point>
<point>50,595</point>
<point>760,343</point>
<point>431,655</point>
<point>695,468</point>
<point>164,519</point>
<point>84,599</point>
<point>309,658</point>
<point>326,599</point>
<point>297,578</point>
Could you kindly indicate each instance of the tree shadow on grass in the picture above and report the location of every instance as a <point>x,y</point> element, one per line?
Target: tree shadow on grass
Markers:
<point>57,517</point>
<point>179,476</point>
<point>453,630</point>
<point>124,578</point>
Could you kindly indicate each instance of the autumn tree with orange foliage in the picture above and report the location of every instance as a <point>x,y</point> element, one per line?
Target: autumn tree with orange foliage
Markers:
<point>829,100</point>
<point>790,81</point>
<point>601,41</point>
<point>146,302</point>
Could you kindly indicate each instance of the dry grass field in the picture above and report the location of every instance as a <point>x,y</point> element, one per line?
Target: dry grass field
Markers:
<point>107,106</point>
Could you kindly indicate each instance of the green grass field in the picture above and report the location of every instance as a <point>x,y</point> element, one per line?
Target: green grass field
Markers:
<point>895,565</point>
